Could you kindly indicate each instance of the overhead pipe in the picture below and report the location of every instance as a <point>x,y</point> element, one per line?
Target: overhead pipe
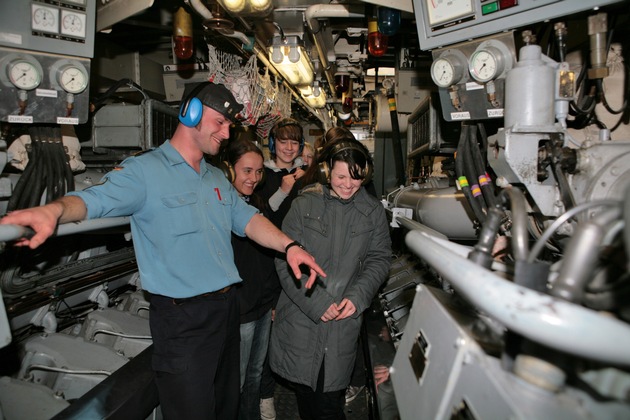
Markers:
<point>317,11</point>
<point>200,8</point>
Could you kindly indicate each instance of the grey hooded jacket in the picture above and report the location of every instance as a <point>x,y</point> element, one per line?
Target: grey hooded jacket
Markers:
<point>350,240</point>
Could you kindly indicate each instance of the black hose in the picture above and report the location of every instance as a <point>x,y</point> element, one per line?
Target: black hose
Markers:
<point>482,175</point>
<point>39,176</point>
<point>50,165</point>
<point>58,159</point>
<point>461,176</point>
<point>471,173</point>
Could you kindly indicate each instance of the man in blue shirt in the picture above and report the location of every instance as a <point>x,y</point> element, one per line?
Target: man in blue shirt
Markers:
<point>182,214</point>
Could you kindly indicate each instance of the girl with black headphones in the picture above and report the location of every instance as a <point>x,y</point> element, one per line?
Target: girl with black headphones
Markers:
<point>315,333</point>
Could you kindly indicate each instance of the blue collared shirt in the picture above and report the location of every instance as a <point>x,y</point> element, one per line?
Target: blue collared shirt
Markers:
<point>181,220</point>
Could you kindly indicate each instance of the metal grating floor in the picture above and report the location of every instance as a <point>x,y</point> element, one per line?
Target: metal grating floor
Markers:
<point>286,405</point>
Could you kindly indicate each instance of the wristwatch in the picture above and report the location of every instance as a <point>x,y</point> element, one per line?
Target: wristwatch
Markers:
<point>294,243</point>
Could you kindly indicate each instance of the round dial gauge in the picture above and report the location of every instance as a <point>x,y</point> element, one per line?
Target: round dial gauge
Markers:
<point>486,64</point>
<point>72,78</point>
<point>447,70</point>
<point>44,18</point>
<point>72,23</point>
<point>24,74</point>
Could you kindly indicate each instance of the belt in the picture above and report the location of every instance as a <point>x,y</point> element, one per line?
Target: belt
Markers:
<point>181,301</point>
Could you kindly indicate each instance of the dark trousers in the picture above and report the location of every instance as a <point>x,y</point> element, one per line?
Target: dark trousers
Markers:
<point>196,356</point>
<point>320,405</point>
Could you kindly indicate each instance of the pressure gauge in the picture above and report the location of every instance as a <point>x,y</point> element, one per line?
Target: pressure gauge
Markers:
<point>73,23</point>
<point>24,74</point>
<point>490,61</point>
<point>72,78</point>
<point>44,18</point>
<point>448,69</point>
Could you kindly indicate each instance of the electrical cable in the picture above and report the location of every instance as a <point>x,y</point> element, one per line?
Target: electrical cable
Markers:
<point>471,173</point>
<point>461,176</point>
<point>482,175</point>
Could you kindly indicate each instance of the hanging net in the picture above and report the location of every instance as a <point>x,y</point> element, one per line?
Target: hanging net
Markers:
<point>264,101</point>
<point>241,80</point>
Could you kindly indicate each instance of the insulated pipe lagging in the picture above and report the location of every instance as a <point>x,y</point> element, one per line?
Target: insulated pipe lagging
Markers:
<point>539,317</point>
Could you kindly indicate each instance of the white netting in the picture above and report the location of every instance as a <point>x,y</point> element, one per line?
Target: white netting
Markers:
<point>226,69</point>
<point>278,107</point>
<point>264,101</point>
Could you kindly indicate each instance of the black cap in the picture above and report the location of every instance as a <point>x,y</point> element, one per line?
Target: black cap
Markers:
<point>217,97</point>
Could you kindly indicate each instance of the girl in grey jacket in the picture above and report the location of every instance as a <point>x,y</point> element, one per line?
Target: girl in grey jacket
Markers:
<point>315,333</point>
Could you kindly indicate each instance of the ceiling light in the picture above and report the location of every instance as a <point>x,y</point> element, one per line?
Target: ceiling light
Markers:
<point>242,8</point>
<point>315,98</point>
<point>291,60</point>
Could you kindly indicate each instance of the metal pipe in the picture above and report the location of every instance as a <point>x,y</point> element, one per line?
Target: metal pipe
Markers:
<point>66,370</point>
<point>15,232</point>
<point>581,257</point>
<point>542,318</point>
<point>520,236</point>
<point>443,209</point>
<point>200,8</point>
<point>117,334</point>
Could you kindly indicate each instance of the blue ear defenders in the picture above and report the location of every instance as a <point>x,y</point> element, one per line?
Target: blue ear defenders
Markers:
<point>191,110</point>
<point>284,123</point>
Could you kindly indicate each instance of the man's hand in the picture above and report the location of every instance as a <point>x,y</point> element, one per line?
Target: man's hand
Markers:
<point>296,256</point>
<point>43,220</point>
<point>346,308</point>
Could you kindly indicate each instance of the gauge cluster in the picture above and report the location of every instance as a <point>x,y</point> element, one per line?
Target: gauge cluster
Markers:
<point>43,88</point>
<point>471,77</point>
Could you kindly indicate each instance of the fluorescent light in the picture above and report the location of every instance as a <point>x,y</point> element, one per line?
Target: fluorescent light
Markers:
<point>291,60</point>
<point>311,98</point>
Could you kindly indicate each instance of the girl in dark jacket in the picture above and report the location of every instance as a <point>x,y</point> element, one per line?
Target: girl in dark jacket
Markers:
<point>257,293</point>
<point>315,333</point>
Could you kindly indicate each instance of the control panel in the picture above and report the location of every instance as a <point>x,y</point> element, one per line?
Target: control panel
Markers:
<point>444,22</point>
<point>45,51</point>
<point>53,26</point>
<point>43,88</point>
<point>471,77</point>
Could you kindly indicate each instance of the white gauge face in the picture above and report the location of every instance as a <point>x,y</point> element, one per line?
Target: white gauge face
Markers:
<point>443,72</point>
<point>441,11</point>
<point>73,79</point>
<point>484,66</point>
<point>44,18</point>
<point>73,23</point>
<point>24,75</point>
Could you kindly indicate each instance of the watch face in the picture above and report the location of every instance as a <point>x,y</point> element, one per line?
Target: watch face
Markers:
<point>73,79</point>
<point>24,75</point>
<point>443,72</point>
<point>483,66</point>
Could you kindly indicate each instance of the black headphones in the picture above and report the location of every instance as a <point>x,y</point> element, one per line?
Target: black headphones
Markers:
<point>284,123</point>
<point>327,157</point>
<point>191,109</point>
<point>228,170</point>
